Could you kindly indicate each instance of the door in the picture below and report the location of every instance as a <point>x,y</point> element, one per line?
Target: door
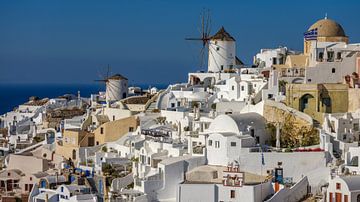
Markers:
<point>338,197</point>
<point>330,197</point>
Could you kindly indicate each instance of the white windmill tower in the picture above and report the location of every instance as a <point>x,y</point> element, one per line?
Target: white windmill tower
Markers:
<point>222,52</point>
<point>116,87</point>
<point>221,48</point>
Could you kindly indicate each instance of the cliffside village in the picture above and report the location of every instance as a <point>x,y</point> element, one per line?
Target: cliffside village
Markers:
<point>283,129</point>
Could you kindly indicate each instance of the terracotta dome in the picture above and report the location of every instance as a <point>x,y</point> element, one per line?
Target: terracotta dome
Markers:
<point>328,28</point>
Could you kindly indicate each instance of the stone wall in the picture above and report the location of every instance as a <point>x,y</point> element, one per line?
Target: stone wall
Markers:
<point>354,99</point>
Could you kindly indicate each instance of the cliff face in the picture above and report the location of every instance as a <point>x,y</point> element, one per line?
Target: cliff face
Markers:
<point>275,113</point>
<point>296,128</point>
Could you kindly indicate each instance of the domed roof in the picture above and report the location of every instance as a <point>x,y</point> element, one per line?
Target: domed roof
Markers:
<point>328,28</point>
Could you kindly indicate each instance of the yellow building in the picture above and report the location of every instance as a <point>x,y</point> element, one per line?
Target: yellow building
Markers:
<point>72,140</point>
<point>317,99</point>
<point>113,130</point>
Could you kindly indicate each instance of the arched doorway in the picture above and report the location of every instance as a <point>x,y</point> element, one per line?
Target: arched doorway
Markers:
<point>304,102</point>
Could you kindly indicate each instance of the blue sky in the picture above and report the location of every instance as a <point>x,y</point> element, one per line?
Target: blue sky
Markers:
<point>72,41</point>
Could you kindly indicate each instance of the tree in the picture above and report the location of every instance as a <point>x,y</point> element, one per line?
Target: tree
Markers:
<point>292,134</point>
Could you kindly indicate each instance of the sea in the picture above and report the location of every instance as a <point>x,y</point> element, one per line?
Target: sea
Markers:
<point>12,95</point>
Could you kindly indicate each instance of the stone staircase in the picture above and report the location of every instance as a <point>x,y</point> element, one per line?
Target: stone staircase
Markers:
<point>151,107</point>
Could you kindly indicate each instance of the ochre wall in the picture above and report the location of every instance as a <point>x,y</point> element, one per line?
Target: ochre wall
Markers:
<point>114,130</point>
<point>338,94</point>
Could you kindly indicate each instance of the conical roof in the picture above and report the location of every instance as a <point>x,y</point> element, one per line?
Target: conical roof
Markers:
<point>223,35</point>
<point>117,77</point>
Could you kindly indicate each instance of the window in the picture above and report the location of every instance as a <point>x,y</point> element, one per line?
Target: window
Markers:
<point>252,132</point>
<point>172,105</point>
<point>101,130</point>
<point>338,55</point>
<point>232,87</point>
<point>74,154</point>
<point>274,61</point>
<point>131,129</point>
<point>321,56</point>
<point>91,141</point>
<point>142,159</point>
<point>149,161</point>
<point>333,70</point>
<point>62,189</point>
<point>242,88</point>
<point>309,80</point>
<point>210,142</point>
<point>232,193</point>
<point>113,118</point>
<point>330,55</point>
<point>217,144</point>
<point>233,144</point>
<point>346,198</point>
<point>356,126</point>
<point>338,186</point>
<point>217,48</point>
<point>222,67</point>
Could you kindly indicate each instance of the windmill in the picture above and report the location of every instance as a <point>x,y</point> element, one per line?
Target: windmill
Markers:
<point>204,30</point>
<point>116,86</point>
<point>220,46</point>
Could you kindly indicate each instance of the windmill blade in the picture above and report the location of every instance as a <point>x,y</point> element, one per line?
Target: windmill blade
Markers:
<point>208,25</point>
<point>101,80</point>
<point>204,30</point>
<point>202,52</point>
<point>202,26</point>
<point>194,39</point>
<point>108,71</point>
